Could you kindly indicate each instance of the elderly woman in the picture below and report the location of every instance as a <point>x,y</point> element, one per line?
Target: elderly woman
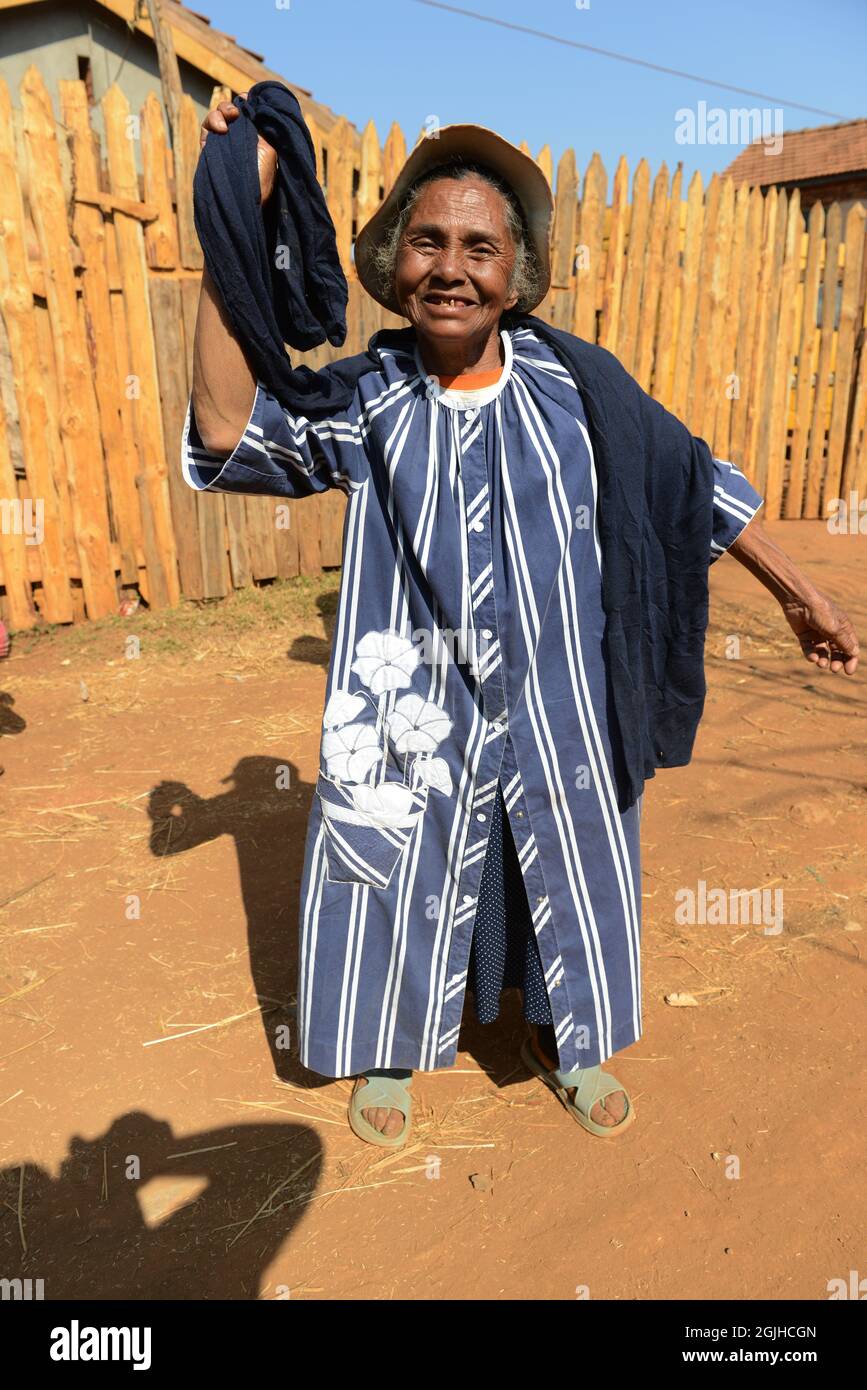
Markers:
<point>518,641</point>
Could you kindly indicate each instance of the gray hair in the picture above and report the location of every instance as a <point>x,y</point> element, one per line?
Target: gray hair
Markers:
<point>526,276</point>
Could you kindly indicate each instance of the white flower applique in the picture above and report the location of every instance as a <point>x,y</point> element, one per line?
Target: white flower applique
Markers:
<point>342,708</point>
<point>434,772</point>
<point>385,661</point>
<point>388,804</point>
<point>406,733</point>
<point>416,725</point>
<point>351,751</point>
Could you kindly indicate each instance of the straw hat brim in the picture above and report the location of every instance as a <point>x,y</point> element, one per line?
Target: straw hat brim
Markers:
<point>472,142</point>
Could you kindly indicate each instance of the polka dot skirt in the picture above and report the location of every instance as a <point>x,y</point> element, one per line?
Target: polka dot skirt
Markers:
<point>504,953</point>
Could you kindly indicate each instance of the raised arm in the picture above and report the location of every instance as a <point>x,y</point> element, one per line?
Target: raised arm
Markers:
<point>223,385</point>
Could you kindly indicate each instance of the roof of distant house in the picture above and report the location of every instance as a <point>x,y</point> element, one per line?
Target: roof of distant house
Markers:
<point>818,152</point>
<point>218,55</point>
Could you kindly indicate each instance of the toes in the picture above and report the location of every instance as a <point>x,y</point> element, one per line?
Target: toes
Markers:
<point>601,1115</point>
<point>388,1122</point>
<point>616,1105</point>
<point>394,1124</point>
<point>610,1111</point>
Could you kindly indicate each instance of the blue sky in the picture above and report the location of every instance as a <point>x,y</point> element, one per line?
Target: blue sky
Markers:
<point>404,61</point>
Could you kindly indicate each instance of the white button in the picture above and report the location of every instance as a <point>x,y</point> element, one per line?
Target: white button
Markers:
<point>481,816</point>
<point>478,525</point>
<point>468,897</point>
<point>520,814</point>
<point>540,900</point>
<point>469,415</point>
<point>486,632</point>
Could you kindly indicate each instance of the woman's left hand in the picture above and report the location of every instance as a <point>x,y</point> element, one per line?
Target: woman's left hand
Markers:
<point>824,631</point>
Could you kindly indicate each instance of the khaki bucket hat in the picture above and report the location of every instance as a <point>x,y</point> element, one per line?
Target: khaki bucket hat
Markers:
<point>472,142</point>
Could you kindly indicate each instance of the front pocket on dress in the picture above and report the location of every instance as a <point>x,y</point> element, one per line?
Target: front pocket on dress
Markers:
<point>367,828</point>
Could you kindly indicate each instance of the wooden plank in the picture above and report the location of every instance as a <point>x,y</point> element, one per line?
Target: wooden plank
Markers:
<point>851,310</point>
<point>824,367</point>
<point>563,240</point>
<point>190,295</point>
<point>51,378</point>
<point>545,161</point>
<point>747,331</point>
<point>185,157</point>
<point>393,157</point>
<point>715,382</point>
<point>649,308</point>
<point>304,514</point>
<point>152,480</point>
<point>370,176</point>
<point>90,233</point>
<point>127,380</point>
<point>213,543</point>
<point>285,539</point>
<point>16,304</point>
<point>761,385</point>
<point>783,349</point>
<point>614,268</point>
<point>688,287</point>
<point>236,531</point>
<point>633,279</point>
<point>855,458</point>
<point>807,354</point>
<point>16,528</point>
<point>665,342</point>
<point>165,305</point>
<point>79,415</point>
<point>260,537</point>
<point>341,162</point>
<point>698,377</point>
<point>161,234</point>
<point>720,430</point>
<point>591,230</point>
<point>332,509</point>
<point>109,202</point>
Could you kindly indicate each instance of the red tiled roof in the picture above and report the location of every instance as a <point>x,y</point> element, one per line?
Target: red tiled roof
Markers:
<point>806,154</point>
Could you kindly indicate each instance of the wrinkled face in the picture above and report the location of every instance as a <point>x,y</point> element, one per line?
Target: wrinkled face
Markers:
<point>454,261</point>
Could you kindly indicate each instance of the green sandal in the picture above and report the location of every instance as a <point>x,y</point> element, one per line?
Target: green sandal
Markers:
<point>592,1084</point>
<point>380,1092</point>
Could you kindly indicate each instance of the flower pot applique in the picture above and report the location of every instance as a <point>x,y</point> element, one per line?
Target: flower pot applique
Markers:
<point>379,751</point>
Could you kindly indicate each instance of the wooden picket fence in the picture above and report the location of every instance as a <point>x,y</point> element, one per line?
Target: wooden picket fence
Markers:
<point>727,307</point>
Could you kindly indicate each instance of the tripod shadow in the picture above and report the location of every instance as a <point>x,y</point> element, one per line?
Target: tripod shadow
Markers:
<point>141,1213</point>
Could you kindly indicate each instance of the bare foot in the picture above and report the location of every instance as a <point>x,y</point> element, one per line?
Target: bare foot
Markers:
<point>388,1122</point>
<point>609,1111</point>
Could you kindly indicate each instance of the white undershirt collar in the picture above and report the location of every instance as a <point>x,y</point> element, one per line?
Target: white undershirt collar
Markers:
<point>461,400</point>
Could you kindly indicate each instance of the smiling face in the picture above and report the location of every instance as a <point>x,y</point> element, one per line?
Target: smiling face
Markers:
<point>454,263</point>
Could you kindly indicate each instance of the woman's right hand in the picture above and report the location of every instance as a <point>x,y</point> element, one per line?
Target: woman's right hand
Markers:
<point>217,122</point>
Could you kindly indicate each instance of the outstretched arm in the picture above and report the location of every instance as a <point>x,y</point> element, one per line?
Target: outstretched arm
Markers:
<point>824,631</point>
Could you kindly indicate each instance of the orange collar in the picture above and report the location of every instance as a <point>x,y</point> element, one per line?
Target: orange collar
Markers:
<point>470,381</point>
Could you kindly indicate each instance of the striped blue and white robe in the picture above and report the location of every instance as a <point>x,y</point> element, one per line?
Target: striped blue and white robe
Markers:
<point>468,650</point>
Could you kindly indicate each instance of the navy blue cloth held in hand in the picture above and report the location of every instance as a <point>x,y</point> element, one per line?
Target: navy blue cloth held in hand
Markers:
<point>277,267</point>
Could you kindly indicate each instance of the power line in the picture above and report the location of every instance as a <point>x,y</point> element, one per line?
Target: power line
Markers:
<point>624,58</point>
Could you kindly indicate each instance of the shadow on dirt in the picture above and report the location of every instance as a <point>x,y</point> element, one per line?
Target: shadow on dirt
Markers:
<point>142,1213</point>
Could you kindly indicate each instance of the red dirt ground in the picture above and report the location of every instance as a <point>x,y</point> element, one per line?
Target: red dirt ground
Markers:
<point>140,1159</point>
